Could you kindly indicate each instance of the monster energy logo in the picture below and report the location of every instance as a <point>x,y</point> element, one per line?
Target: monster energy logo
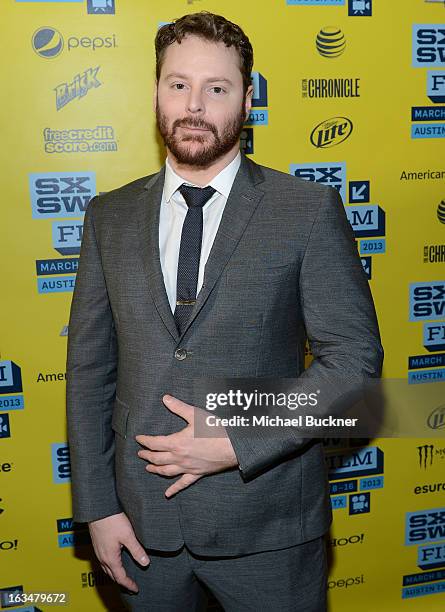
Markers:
<point>425,455</point>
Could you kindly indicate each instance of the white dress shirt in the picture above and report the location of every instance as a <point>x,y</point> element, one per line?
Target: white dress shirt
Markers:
<point>172,215</point>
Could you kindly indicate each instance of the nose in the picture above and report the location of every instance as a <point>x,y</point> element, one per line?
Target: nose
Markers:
<point>195,102</point>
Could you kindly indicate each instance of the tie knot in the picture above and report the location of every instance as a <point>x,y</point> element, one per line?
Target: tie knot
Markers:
<point>196,196</point>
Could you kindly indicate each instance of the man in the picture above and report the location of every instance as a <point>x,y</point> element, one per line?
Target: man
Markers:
<point>213,267</point>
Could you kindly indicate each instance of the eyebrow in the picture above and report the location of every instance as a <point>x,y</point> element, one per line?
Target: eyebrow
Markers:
<point>210,80</point>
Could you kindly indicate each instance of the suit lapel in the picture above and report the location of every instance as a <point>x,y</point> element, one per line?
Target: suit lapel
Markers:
<point>240,206</point>
<point>149,206</point>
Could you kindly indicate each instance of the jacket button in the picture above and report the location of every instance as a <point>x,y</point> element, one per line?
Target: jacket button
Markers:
<point>181,353</point>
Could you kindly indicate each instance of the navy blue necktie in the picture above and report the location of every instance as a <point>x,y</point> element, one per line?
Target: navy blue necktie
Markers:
<point>190,252</point>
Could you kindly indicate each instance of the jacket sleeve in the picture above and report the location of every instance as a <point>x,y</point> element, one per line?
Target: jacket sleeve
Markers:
<point>91,383</point>
<point>342,329</point>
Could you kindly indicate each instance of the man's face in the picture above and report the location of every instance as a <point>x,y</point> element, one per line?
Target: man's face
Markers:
<point>199,101</point>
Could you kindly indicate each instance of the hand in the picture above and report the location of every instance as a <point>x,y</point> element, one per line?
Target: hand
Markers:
<point>108,536</point>
<point>182,453</point>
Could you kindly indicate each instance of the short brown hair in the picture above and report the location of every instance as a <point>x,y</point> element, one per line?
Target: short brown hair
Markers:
<point>213,28</point>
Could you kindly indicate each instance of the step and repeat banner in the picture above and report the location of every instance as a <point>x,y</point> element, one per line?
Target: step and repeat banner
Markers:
<point>348,93</point>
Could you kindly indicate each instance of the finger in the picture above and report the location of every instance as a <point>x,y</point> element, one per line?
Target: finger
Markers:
<point>156,442</point>
<point>186,411</point>
<point>107,571</point>
<point>157,457</point>
<point>185,481</point>
<point>137,551</point>
<point>121,577</point>
<point>165,470</point>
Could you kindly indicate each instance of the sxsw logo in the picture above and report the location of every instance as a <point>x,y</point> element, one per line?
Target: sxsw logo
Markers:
<point>425,526</point>
<point>101,7</point>
<point>70,534</point>
<point>5,430</point>
<point>67,237</point>
<point>60,454</point>
<point>366,220</point>
<point>429,45</point>
<point>333,174</point>
<point>348,463</point>
<point>259,99</point>
<point>359,8</point>
<point>434,336</point>
<point>10,378</point>
<point>7,593</point>
<point>427,301</point>
<point>246,140</point>
<point>61,194</point>
<point>436,86</point>
<point>359,192</point>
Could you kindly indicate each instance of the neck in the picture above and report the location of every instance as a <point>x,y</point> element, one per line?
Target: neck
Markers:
<point>202,175</point>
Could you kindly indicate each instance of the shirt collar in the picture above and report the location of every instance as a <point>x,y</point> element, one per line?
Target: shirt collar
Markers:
<point>222,182</point>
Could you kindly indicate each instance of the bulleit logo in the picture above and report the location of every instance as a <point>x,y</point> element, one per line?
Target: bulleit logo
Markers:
<point>47,42</point>
<point>331,132</point>
<point>330,42</point>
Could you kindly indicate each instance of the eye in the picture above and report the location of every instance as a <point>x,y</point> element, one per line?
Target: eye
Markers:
<point>217,90</point>
<point>178,86</point>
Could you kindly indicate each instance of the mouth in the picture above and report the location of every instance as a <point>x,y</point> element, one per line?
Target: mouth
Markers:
<point>193,129</point>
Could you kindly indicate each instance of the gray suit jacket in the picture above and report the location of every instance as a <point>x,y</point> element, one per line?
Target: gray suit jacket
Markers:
<point>283,267</point>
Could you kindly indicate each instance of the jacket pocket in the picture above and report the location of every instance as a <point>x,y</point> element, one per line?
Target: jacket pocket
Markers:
<point>119,420</point>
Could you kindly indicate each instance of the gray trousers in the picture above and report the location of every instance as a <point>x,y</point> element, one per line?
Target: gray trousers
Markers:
<point>290,579</point>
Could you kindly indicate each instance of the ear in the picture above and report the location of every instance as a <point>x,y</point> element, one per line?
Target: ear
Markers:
<point>155,95</point>
<point>248,100</point>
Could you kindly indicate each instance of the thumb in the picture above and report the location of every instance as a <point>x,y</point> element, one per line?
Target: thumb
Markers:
<point>137,551</point>
<point>186,411</point>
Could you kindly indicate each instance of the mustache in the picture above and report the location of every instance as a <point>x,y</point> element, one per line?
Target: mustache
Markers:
<point>194,123</point>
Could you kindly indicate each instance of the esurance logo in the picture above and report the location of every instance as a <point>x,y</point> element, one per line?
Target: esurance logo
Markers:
<point>48,42</point>
<point>61,194</point>
<point>428,45</point>
<point>427,301</point>
<point>425,526</point>
<point>333,174</point>
<point>331,132</point>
